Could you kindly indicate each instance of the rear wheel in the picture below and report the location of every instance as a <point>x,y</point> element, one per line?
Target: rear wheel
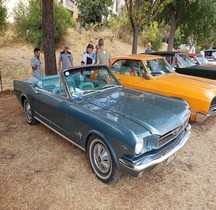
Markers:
<point>29,115</point>
<point>101,161</point>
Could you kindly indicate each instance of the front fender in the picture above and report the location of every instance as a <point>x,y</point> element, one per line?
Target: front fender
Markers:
<point>116,147</point>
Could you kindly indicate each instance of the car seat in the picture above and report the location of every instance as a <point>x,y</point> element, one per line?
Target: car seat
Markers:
<point>56,90</point>
<point>86,86</point>
<point>71,82</point>
<point>78,78</point>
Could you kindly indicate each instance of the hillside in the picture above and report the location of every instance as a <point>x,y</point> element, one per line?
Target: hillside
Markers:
<point>15,55</point>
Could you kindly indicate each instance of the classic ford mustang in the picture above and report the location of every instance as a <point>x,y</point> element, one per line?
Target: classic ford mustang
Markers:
<point>123,130</point>
<point>185,65</point>
<point>152,73</point>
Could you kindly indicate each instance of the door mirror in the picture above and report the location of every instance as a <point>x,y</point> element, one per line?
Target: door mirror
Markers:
<point>146,76</point>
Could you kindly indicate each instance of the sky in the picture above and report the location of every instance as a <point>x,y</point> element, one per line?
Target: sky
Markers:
<point>10,4</point>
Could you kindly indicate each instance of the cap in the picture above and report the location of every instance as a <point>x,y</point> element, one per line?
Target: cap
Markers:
<point>90,46</point>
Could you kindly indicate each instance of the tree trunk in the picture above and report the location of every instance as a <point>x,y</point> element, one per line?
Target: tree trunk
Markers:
<point>172,32</point>
<point>48,37</point>
<point>135,39</point>
<point>211,45</point>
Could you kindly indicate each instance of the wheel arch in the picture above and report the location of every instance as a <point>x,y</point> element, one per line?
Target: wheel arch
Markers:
<point>23,98</point>
<point>105,140</point>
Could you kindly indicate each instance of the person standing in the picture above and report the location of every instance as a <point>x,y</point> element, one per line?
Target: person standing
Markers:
<point>65,58</point>
<point>36,64</point>
<point>148,50</point>
<point>95,53</point>
<point>87,57</point>
<point>103,56</point>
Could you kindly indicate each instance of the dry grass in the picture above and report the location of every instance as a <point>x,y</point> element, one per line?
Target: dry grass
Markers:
<point>9,36</point>
<point>15,56</point>
<point>40,170</point>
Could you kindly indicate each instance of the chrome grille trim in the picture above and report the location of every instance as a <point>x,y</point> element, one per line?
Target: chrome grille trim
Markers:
<point>166,138</point>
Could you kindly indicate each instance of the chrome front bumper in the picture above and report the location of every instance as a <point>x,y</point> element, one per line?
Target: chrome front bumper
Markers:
<point>200,117</point>
<point>142,165</point>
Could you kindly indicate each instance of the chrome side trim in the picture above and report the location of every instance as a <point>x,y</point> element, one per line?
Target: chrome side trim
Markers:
<point>157,161</point>
<point>60,134</point>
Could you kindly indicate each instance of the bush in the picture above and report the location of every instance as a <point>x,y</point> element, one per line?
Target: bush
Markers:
<point>121,26</point>
<point>28,19</point>
<point>3,15</point>
<point>122,29</point>
<point>152,34</point>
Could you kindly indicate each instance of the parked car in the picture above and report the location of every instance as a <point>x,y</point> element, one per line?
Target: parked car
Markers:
<point>200,59</point>
<point>210,55</point>
<point>152,73</point>
<point>184,65</point>
<point>123,130</point>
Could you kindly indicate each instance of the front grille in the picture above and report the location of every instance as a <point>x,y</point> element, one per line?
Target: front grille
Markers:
<point>166,138</point>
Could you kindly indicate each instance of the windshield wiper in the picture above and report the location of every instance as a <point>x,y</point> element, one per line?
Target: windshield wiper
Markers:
<point>156,73</point>
<point>107,86</point>
<point>88,91</point>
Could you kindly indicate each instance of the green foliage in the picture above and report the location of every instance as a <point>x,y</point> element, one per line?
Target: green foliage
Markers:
<point>3,15</point>
<point>202,22</point>
<point>157,42</point>
<point>120,25</point>
<point>28,19</point>
<point>93,10</point>
<point>142,12</point>
<point>152,34</point>
<point>196,18</point>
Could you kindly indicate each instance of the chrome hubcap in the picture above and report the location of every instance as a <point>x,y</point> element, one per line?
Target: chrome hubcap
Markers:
<point>101,158</point>
<point>28,111</point>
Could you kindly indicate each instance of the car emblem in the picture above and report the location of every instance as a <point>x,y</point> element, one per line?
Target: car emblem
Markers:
<point>79,134</point>
<point>175,132</point>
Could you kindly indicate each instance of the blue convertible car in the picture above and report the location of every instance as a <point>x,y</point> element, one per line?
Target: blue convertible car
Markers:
<point>121,129</point>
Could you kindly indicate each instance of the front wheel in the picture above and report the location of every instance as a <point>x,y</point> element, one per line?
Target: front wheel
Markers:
<point>29,113</point>
<point>101,161</point>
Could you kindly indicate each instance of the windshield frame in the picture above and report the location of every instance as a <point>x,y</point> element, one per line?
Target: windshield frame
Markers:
<point>96,85</point>
<point>153,70</point>
<point>184,63</point>
<point>202,60</point>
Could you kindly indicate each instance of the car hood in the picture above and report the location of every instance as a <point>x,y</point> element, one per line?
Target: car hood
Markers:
<point>198,70</point>
<point>210,65</point>
<point>158,114</point>
<point>205,67</point>
<point>186,81</point>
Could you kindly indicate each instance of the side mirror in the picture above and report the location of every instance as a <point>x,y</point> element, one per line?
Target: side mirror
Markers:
<point>146,76</point>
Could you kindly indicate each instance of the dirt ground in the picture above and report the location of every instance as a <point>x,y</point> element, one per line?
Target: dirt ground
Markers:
<point>40,170</point>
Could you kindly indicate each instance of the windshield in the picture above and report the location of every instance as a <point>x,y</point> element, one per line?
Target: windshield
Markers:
<point>202,60</point>
<point>184,60</point>
<point>88,79</point>
<point>158,67</point>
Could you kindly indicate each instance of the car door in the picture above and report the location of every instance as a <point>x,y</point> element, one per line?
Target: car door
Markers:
<point>61,113</point>
<point>130,73</point>
<point>51,107</point>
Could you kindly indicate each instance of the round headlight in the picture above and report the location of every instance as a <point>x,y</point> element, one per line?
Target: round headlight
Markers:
<point>139,147</point>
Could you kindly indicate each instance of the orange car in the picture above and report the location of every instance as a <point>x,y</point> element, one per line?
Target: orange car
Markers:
<point>154,74</point>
